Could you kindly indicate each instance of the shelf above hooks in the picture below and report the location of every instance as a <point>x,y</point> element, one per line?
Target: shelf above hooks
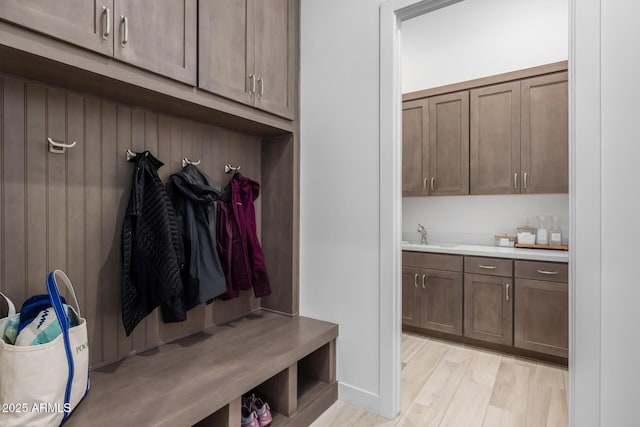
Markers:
<point>58,147</point>
<point>231,169</point>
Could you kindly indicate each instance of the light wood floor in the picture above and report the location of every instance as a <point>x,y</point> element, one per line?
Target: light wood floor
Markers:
<point>448,384</point>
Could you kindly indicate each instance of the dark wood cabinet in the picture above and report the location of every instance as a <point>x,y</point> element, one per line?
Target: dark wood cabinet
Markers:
<point>449,144</point>
<point>545,124</point>
<point>159,36</point>
<point>441,301</point>
<point>495,139</point>
<point>488,308</point>
<point>542,307</point>
<point>415,147</point>
<point>411,287</point>
<point>246,52</point>
<point>88,24</point>
<point>542,316</point>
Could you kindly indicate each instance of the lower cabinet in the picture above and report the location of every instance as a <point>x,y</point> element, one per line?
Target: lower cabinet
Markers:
<point>488,308</point>
<point>432,299</point>
<point>542,316</point>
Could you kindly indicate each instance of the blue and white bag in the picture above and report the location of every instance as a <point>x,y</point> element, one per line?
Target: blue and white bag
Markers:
<point>41,384</point>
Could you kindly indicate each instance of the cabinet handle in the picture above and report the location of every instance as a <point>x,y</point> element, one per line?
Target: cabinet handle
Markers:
<point>125,26</point>
<point>487,267</point>
<point>415,280</point>
<point>515,181</point>
<point>261,83</point>
<point>106,12</point>
<point>507,292</point>
<point>425,183</point>
<point>525,180</point>
<point>550,273</point>
<point>252,83</point>
<point>423,277</point>
<point>432,184</point>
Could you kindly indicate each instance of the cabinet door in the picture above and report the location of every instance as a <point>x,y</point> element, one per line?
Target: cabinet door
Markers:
<point>81,22</point>
<point>449,144</point>
<point>545,135</point>
<point>159,36</point>
<point>411,285</point>
<point>274,56</point>
<point>495,139</point>
<point>441,302</point>
<point>542,316</point>
<point>224,33</point>
<point>415,147</point>
<point>488,308</point>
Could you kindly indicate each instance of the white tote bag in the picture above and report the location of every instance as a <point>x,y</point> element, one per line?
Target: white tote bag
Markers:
<point>41,384</point>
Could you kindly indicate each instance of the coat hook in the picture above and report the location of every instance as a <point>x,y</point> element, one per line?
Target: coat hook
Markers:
<point>229,169</point>
<point>186,162</point>
<point>130,155</point>
<point>57,147</point>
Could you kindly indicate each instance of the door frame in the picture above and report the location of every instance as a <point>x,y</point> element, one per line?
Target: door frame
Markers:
<point>584,398</point>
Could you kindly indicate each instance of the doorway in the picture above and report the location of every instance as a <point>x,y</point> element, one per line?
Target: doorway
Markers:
<point>393,15</point>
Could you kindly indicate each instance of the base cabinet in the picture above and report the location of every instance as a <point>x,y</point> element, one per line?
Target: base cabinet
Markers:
<point>488,308</point>
<point>411,296</point>
<point>441,302</point>
<point>542,316</point>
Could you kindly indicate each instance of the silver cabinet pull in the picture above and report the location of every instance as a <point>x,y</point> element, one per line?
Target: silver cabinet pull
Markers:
<point>550,273</point>
<point>515,181</point>
<point>525,180</point>
<point>423,277</point>
<point>125,30</point>
<point>425,183</point>
<point>507,291</point>
<point>415,280</point>
<point>252,83</point>
<point>432,184</point>
<point>106,12</point>
<point>487,267</point>
<point>261,90</point>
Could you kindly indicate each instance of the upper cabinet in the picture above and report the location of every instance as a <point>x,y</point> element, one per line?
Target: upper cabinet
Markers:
<point>449,144</point>
<point>495,139</point>
<point>246,52</point>
<point>84,23</point>
<point>435,145</point>
<point>415,147</point>
<point>545,133</point>
<point>505,138</point>
<point>159,36</point>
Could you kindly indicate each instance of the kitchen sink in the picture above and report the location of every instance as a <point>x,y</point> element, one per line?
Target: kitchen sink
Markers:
<point>433,245</point>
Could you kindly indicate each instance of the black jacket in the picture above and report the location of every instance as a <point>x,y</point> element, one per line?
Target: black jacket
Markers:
<point>151,249</point>
<point>193,195</point>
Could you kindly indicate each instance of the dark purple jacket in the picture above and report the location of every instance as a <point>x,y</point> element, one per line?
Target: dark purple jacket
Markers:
<point>237,239</point>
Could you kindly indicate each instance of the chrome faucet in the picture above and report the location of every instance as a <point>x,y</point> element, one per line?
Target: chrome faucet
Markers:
<point>423,234</point>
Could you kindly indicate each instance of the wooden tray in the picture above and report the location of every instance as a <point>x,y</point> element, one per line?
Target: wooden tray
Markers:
<point>555,247</point>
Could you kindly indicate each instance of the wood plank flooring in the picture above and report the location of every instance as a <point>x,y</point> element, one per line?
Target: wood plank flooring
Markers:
<point>449,384</point>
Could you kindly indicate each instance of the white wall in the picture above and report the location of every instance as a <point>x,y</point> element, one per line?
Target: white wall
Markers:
<point>477,219</point>
<point>620,153</point>
<point>479,38</point>
<point>483,38</point>
<point>339,184</point>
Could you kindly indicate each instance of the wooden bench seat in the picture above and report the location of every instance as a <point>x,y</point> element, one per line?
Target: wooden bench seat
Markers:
<point>200,378</point>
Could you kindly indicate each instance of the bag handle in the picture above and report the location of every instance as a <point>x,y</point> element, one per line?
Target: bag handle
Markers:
<point>56,302</point>
<point>12,308</point>
<point>62,276</point>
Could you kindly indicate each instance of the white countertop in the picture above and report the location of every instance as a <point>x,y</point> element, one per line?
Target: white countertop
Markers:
<point>489,251</point>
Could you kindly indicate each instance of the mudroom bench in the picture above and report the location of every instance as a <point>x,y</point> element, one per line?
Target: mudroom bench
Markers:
<point>199,380</point>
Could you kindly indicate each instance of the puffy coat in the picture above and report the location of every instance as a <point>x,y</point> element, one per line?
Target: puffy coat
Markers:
<point>193,195</point>
<point>151,249</point>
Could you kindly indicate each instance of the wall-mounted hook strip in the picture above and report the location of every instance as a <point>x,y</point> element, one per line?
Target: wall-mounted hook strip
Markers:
<point>231,169</point>
<point>57,147</point>
<point>186,162</point>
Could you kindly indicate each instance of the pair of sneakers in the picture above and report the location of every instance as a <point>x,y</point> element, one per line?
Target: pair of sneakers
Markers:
<point>255,412</point>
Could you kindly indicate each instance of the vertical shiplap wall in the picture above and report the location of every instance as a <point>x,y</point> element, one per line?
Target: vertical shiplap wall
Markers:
<point>65,211</point>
